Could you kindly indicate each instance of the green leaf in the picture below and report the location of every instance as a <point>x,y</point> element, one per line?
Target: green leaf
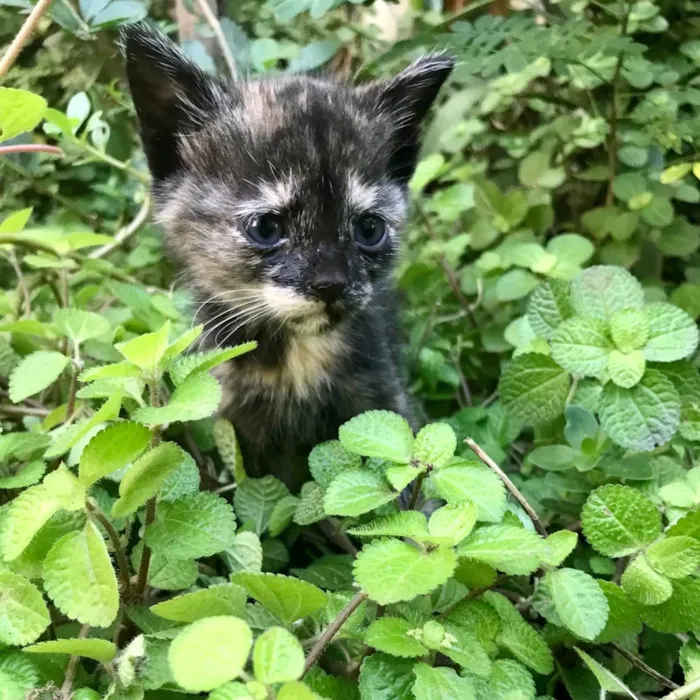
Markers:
<point>288,598</point>
<point>27,475</point>
<point>210,652</point>
<point>146,351</point>
<point>674,173</point>
<point>200,362</point>
<point>440,684</point>
<point>659,212</point>
<point>509,681</point>
<point>330,459</point>
<point>79,325</point>
<point>624,616</point>
<point>36,372</point>
<point>452,523</point>
<point>678,614</point>
<point>618,520</point>
<point>23,613</point>
<point>79,578</point>
<point>468,480</point>
<point>20,111</point>
<point>405,523</point>
<point>178,346</point>
<point>629,329</point>
<point>391,635</point>
<point>282,515</point>
<point>390,570</point>
<point>555,458</point>
<point>533,388</point>
<point>674,557</point>
<point>626,369</point>
<point>607,679</point>
<point>435,444</point>
<point>384,677</point>
<point>582,345</point>
<point>579,602</point>
<point>196,525</point>
<point>356,492</point>
<point>509,548</point>
<point>98,649</point>
<point>558,546</point>
<point>277,656</point>
<point>196,398</point>
<point>642,417</point>
<point>602,290</point>
<point>146,477</point>
<point>460,645</point>
<point>643,584</point>
<point>380,434</point>
<point>112,449</point>
<point>221,599</point>
<point>401,475</point>
<point>230,451</point>
<point>689,658</point>
<point>246,553</point>
<point>549,306</point>
<point>310,508</point>
<point>255,499</point>
<point>673,335</point>
<point>515,284</point>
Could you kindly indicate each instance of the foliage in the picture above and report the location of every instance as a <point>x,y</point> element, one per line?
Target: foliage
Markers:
<point>552,274</point>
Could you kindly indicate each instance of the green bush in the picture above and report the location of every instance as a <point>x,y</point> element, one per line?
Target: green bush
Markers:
<point>552,279</point>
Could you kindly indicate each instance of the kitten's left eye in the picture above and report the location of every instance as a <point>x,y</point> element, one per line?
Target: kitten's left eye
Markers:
<point>369,231</point>
<point>265,230</point>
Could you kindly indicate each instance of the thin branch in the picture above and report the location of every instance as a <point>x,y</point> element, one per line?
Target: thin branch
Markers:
<point>22,411</point>
<point>684,692</point>
<point>23,35</point>
<point>30,148</point>
<point>21,283</point>
<point>95,511</point>
<point>642,666</point>
<point>126,232</point>
<point>332,630</point>
<point>72,391</point>
<point>214,23</point>
<point>67,687</point>
<point>416,490</point>
<point>142,579</point>
<point>509,485</point>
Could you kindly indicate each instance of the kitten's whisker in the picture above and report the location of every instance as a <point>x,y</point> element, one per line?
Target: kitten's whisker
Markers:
<point>231,317</point>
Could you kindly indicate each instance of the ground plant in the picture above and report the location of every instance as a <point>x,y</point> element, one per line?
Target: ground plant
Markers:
<point>538,538</point>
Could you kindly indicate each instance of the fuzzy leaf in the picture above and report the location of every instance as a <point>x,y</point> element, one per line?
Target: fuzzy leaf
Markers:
<point>452,523</point>
<point>405,523</point>
<point>673,335</point>
<point>227,443</point>
<point>221,599</point>
<point>390,635</point>
<point>440,684</point>
<point>98,649</point>
<point>509,548</point>
<point>674,557</point>
<point>624,615</point>
<point>435,444</point>
<point>277,656</point>
<point>34,373</point>
<point>558,546</point>
<point>245,554</point>
<point>582,345</point>
<point>618,520</point>
<point>579,602</point>
<point>390,570</point>
<point>178,346</point>
<point>330,459</point>
<point>629,329</point>
<point>210,652</point>
<point>21,111</point>
<point>380,434</point>
<point>204,361</point>
<point>356,492</point>
<point>79,578</point>
<point>146,351</point>
<point>384,677</point>
<point>608,681</point>
<point>255,499</point>
<point>310,507</point>
<point>549,305</point>
<point>678,614</point>
<point>23,613</point>
<point>645,585</point>
<point>509,681</point>
<point>602,290</point>
<point>626,369</point>
<point>282,515</point>
<point>79,325</point>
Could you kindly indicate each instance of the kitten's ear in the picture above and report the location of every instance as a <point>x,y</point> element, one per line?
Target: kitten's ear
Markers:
<point>408,97</point>
<point>171,94</point>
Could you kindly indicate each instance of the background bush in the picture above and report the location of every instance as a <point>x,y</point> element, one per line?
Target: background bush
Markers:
<point>552,284</point>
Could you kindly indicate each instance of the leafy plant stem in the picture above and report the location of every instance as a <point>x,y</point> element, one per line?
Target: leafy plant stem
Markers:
<point>214,23</point>
<point>120,165</point>
<point>21,411</point>
<point>332,630</point>
<point>23,35</point>
<point>684,692</point>
<point>146,556</point>
<point>30,148</point>
<point>509,485</point>
<point>416,491</point>
<point>73,389</point>
<point>126,232</point>
<point>67,687</point>
<point>636,661</point>
<point>21,283</point>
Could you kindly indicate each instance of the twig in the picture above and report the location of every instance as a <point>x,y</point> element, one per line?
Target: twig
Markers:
<point>30,148</point>
<point>142,579</point>
<point>684,692</point>
<point>21,283</point>
<point>119,164</point>
<point>126,232</point>
<point>332,630</point>
<point>214,23</point>
<point>72,391</point>
<point>23,35</point>
<point>416,490</point>
<point>122,562</point>
<point>24,411</point>
<point>642,666</point>
<point>509,485</point>
<point>67,687</point>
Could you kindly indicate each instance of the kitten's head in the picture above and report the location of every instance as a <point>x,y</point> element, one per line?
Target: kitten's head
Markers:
<point>283,196</point>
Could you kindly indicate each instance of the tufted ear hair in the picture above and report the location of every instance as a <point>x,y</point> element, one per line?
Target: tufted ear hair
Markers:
<point>172,95</point>
<point>407,98</point>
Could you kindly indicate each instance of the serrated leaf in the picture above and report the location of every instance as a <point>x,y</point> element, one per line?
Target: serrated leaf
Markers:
<point>178,346</point>
<point>644,416</point>
<point>390,570</point>
<point>310,507</point>
<point>288,598</point>
<point>36,372</point>
<point>204,361</point>
<point>406,523</point>
<point>23,613</point>
<point>79,325</point>
<point>79,578</point>
<point>452,523</point>
<point>245,554</point>
<point>435,444</point>
<point>607,679</point>
<point>680,612</point>
<point>509,548</point>
<point>21,111</point>
<point>386,678</point>
<point>391,635</point>
<point>22,446</point>
<point>624,615</point>
<point>602,290</point>
<point>277,656</point>
<point>231,691</point>
<point>196,398</point>
<point>468,480</point>
<point>558,546</point>
<point>440,684</point>
<point>23,672</point>
<point>330,459</point>
<point>98,649</point>
<point>618,520</point>
<point>673,335</point>
<point>582,345</point>
<point>112,449</point>
<point>356,492</point>
<point>282,515</point>
<point>549,305</point>
<point>380,434</point>
<point>464,648</point>
<point>210,652</point>
<point>533,388</point>
<point>183,481</point>
<point>147,350</point>
<point>117,370</point>
<point>221,599</point>
<point>27,475</point>
<point>626,369</point>
<point>146,476</point>
<point>509,681</point>
<point>629,329</point>
<point>196,525</point>
<point>401,475</point>
<point>226,441</point>
<point>255,499</point>
<point>674,557</point>
<point>332,572</point>
<point>645,585</point>
<point>689,658</point>
<point>579,602</point>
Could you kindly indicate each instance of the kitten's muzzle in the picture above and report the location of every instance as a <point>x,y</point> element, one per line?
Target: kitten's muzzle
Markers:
<point>329,287</point>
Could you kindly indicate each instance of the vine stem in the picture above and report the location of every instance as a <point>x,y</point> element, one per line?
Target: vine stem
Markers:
<point>67,687</point>
<point>30,148</point>
<point>126,232</point>
<point>642,666</point>
<point>23,35</point>
<point>97,513</point>
<point>684,692</point>
<point>332,630</point>
<point>509,485</point>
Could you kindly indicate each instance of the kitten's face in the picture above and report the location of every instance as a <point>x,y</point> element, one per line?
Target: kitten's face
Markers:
<point>284,198</point>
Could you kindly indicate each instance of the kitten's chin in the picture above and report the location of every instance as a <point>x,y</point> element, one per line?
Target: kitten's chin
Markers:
<point>310,325</point>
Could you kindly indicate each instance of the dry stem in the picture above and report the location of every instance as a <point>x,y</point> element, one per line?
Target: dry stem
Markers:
<point>23,35</point>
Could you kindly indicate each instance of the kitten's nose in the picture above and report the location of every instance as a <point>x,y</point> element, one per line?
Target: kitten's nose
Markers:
<point>329,287</point>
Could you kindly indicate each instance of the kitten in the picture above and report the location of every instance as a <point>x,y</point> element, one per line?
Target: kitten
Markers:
<point>283,199</point>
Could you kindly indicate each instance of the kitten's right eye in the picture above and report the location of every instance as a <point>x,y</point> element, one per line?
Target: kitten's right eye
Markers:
<point>265,230</point>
